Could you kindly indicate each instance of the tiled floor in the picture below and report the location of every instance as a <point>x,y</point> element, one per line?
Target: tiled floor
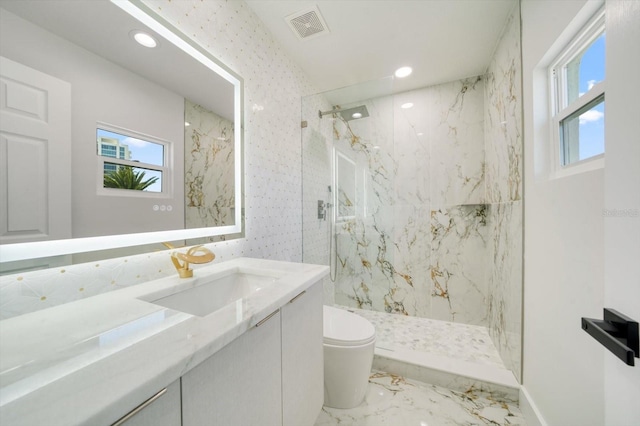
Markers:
<point>395,401</point>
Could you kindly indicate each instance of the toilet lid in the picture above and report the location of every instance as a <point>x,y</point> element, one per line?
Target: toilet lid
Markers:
<point>343,328</point>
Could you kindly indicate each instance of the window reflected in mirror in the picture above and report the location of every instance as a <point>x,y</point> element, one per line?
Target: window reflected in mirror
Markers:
<point>121,150</point>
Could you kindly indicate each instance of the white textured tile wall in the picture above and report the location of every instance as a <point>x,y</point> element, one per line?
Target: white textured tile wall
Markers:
<point>274,86</point>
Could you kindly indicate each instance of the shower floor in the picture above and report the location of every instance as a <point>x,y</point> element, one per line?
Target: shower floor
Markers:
<point>452,355</point>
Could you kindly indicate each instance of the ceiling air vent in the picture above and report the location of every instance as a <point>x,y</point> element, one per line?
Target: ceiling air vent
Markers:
<point>307,24</point>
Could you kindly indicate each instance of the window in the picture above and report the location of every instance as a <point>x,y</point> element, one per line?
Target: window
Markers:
<point>131,162</point>
<point>578,82</point>
<point>108,150</point>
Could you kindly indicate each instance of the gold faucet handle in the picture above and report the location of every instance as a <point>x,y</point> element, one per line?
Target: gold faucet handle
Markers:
<point>191,257</point>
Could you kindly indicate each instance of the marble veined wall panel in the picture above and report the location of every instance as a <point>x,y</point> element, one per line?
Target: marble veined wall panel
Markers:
<point>505,281</point>
<point>412,240</point>
<point>391,252</point>
<point>365,245</point>
<point>503,142</point>
<point>456,135</point>
<point>209,168</point>
<point>458,264</point>
<point>503,117</point>
<point>412,251</point>
<point>412,147</point>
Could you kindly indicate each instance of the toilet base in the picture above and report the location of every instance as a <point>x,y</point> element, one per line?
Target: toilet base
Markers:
<point>346,374</point>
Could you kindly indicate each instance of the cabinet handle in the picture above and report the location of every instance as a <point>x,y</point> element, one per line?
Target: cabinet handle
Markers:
<point>296,298</point>
<point>139,408</point>
<point>267,318</point>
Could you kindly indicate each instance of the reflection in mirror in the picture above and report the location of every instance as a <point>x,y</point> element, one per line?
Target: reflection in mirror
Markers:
<point>209,168</point>
<point>106,97</point>
<point>120,150</point>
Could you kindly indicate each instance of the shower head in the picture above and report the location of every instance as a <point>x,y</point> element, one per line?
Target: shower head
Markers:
<point>349,113</point>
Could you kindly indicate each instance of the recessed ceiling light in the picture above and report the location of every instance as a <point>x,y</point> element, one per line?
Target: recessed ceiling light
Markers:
<point>406,106</point>
<point>186,124</point>
<point>144,39</point>
<point>356,115</point>
<point>420,134</point>
<point>403,72</point>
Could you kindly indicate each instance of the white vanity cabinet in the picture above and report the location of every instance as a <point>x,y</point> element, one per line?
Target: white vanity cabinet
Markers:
<point>302,358</point>
<point>271,375</point>
<point>161,409</point>
<point>240,384</point>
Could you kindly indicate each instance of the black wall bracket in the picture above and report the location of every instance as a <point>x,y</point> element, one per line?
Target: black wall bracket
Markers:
<point>617,332</point>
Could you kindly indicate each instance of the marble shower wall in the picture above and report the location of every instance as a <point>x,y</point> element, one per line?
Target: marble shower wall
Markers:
<point>504,147</point>
<point>366,274</point>
<point>417,244</point>
<point>208,168</point>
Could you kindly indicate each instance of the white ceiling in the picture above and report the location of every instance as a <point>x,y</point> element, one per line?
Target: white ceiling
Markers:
<point>104,29</point>
<point>442,40</point>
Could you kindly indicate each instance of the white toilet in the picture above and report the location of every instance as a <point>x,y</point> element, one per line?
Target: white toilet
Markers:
<point>349,342</point>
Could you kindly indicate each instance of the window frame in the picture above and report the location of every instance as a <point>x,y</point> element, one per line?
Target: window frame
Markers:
<point>561,108</point>
<point>165,169</point>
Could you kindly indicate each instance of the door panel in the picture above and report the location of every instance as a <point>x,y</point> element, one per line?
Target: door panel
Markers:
<point>35,155</point>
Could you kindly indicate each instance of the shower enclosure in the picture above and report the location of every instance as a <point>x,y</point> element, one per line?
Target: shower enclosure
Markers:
<point>416,203</point>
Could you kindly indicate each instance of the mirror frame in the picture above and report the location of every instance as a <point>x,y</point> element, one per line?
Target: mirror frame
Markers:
<point>144,14</point>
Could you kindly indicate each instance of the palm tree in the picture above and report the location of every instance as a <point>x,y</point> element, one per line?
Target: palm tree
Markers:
<point>126,178</point>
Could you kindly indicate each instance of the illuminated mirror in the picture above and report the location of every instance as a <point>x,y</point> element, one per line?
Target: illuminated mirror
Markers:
<point>166,121</point>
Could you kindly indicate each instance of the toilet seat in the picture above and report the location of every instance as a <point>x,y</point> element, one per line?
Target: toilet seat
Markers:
<point>343,328</point>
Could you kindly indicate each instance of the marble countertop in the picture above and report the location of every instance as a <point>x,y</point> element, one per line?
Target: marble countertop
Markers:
<point>93,360</point>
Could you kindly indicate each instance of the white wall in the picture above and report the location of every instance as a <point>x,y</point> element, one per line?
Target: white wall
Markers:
<point>564,242</point>
<point>107,93</point>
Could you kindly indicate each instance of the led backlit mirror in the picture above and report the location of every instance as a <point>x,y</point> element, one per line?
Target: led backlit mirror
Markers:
<point>169,117</point>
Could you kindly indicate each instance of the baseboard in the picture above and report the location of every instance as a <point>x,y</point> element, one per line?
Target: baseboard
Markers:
<point>530,410</point>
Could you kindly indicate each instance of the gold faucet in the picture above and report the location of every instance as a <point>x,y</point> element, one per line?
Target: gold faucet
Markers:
<point>190,257</point>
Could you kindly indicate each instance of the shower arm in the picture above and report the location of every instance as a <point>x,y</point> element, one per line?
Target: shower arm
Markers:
<point>323,113</point>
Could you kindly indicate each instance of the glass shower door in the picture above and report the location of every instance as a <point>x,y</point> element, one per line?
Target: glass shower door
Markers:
<point>348,170</point>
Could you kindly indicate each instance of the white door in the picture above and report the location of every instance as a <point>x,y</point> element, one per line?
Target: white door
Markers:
<point>35,155</point>
<point>622,200</point>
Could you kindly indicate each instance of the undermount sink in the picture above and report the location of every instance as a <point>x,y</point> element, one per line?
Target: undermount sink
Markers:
<point>210,294</point>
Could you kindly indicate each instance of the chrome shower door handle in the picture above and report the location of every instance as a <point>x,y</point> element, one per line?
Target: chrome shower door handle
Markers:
<point>322,211</point>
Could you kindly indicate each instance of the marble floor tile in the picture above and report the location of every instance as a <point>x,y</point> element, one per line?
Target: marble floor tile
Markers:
<point>396,401</point>
<point>463,342</point>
